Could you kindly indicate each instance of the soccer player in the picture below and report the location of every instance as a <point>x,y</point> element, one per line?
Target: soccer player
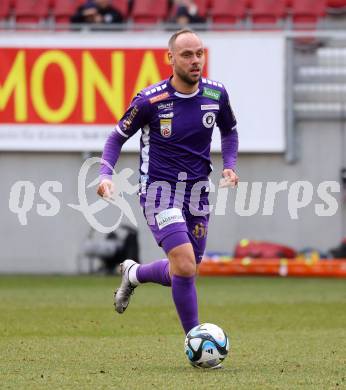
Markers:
<point>176,117</point>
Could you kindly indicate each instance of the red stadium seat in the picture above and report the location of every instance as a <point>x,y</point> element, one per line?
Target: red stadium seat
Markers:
<point>203,6</point>
<point>63,9</point>
<point>149,11</point>
<point>5,9</point>
<point>31,11</point>
<point>228,11</point>
<point>308,11</point>
<point>122,6</point>
<point>268,11</point>
<point>336,3</point>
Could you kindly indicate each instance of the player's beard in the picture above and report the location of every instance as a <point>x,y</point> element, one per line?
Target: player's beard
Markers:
<point>184,76</point>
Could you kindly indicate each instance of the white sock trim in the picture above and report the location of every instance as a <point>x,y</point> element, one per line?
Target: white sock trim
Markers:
<point>133,275</point>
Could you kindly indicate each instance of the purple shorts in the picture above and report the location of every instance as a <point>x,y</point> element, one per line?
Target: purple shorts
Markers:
<point>175,220</point>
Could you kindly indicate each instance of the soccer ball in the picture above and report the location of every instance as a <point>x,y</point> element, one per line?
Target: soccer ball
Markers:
<point>206,345</point>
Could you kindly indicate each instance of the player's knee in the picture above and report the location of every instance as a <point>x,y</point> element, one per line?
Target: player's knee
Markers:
<point>182,263</point>
<point>186,268</point>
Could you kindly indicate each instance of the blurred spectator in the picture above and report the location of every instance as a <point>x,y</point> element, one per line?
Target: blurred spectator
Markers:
<point>86,13</point>
<point>97,11</point>
<point>108,12</point>
<point>187,13</point>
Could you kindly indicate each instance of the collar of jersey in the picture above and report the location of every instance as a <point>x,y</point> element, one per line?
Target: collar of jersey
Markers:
<point>185,96</point>
<point>181,95</point>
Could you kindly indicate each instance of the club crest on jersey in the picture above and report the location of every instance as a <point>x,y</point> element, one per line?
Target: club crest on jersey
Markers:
<point>200,231</point>
<point>209,119</point>
<point>159,97</point>
<point>166,127</point>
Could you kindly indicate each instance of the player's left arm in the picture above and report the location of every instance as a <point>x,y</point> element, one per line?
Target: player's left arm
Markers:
<point>229,141</point>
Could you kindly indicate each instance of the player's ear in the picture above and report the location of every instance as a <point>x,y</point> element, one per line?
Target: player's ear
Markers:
<point>170,58</point>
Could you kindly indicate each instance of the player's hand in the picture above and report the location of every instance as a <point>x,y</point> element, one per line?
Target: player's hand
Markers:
<point>230,178</point>
<point>105,188</point>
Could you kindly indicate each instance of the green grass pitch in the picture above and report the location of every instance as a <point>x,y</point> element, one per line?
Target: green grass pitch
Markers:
<point>62,333</point>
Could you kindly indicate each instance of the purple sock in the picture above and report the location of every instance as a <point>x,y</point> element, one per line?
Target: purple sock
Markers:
<point>155,272</point>
<point>185,299</point>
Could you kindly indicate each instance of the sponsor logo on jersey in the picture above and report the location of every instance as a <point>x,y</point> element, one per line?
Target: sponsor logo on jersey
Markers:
<point>205,107</point>
<point>166,127</point>
<point>169,115</point>
<point>211,93</point>
<point>169,216</point>
<point>209,119</point>
<point>128,121</point>
<point>165,106</point>
<point>159,97</point>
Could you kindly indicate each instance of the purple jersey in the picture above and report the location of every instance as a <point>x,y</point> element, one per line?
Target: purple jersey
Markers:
<point>177,130</point>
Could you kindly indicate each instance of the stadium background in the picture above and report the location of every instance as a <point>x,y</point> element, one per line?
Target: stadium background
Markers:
<point>286,89</point>
<point>283,63</point>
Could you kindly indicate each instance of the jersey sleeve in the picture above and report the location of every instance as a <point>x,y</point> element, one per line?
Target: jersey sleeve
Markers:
<point>135,117</point>
<point>229,136</point>
<point>226,120</point>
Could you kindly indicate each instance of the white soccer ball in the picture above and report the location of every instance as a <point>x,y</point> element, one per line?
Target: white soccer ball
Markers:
<point>206,345</point>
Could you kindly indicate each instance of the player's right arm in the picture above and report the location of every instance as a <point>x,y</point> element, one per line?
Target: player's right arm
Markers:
<point>134,118</point>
